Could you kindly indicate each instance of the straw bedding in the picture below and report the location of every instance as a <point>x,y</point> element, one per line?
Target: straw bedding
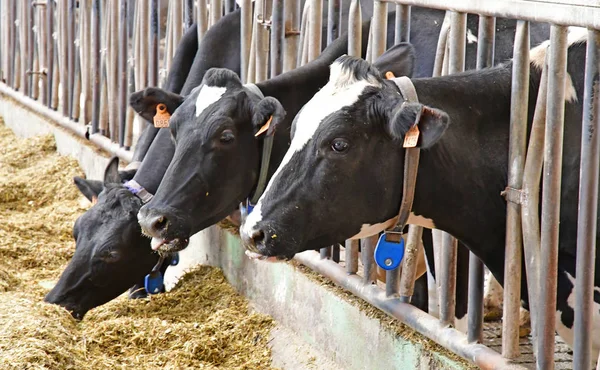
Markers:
<point>204,324</point>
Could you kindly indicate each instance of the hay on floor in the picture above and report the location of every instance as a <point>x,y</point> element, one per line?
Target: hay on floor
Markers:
<point>204,324</point>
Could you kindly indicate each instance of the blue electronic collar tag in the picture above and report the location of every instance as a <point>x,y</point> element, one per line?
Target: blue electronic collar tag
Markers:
<point>174,259</point>
<point>389,250</point>
<point>154,282</point>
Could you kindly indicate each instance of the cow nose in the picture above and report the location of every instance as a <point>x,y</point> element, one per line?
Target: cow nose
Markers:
<point>253,238</point>
<point>154,225</point>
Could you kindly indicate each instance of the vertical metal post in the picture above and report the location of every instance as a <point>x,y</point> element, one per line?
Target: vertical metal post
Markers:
<point>402,33</point>
<point>355,29</point>
<point>291,34</point>
<point>379,29</point>
<point>71,58</point>
<point>551,193</point>
<point>49,51</point>
<point>216,11</point>
<point>123,71</point>
<point>202,17</point>
<point>441,48</point>
<point>189,14</point>
<point>177,27</point>
<point>485,58</point>
<point>333,26</point>
<point>370,268</point>
<point>96,65</point>
<point>516,160</point>
<point>277,34</point>
<point>229,6</point>
<point>24,46</point>
<point>12,43</point>
<point>335,253</point>
<point>447,277</point>
<point>588,207</point>
<point>303,43</point>
<point>262,42</point>
<point>325,252</point>
<point>351,256</point>
<point>153,39</point>
<point>409,265</point>
<point>315,25</point>
<point>245,37</point>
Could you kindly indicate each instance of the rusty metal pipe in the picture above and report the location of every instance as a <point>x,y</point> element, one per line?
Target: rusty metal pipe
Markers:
<point>351,257</point>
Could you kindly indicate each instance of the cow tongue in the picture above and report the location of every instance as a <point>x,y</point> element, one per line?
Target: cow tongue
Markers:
<point>157,243</point>
<point>258,256</point>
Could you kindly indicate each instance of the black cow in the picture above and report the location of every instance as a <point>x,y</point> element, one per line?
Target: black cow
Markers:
<point>344,169</point>
<point>109,255</point>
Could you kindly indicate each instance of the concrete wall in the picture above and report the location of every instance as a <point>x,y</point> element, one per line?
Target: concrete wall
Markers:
<point>319,316</point>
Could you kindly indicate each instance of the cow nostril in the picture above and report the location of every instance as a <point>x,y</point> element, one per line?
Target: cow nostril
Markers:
<point>258,236</point>
<point>160,224</point>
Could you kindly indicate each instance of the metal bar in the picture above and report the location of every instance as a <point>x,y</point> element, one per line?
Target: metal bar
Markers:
<point>63,55</point>
<point>154,36</point>
<point>530,203</point>
<point>447,277</point>
<point>402,33</point>
<point>10,35</point>
<point>516,160</point>
<point>168,53</point>
<point>229,6</point>
<point>588,207</point>
<point>379,29</point>
<point>315,25</point>
<point>96,65</point>
<point>457,42</point>
<point>367,248</point>
<point>216,11</point>
<point>303,43</point>
<point>335,253</point>
<point>176,27</point>
<point>31,67</point>
<point>189,14</point>
<point>333,24</point>
<point>451,339</point>
<point>245,36</point>
<point>355,29</point>
<point>325,252</point>
<point>49,51</point>
<point>392,283</point>
<point>409,265</point>
<point>277,34</point>
<point>76,88</point>
<point>441,48</point>
<point>202,19</point>
<point>80,130</point>
<point>24,46</point>
<point>262,43</point>
<point>485,58</point>
<point>551,193</point>
<point>123,70</point>
<point>531,10</point>
<point>70,67</point>
<point>291,35</point>
<point>351,257</point>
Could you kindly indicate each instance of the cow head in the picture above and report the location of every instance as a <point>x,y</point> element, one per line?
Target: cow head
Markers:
<point>344,167</point>
<point>111,254</point>
<point>216,160</point>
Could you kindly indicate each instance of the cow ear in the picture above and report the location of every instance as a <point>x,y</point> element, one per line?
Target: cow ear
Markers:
<point>399,59</point>
<point>89,188</point>
<point>268,113</point>
<point>111,174</point>
<point>144,102</point>
<point>431,123</point>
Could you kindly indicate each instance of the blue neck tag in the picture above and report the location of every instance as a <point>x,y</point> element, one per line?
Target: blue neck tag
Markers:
<point>154,282</point>
<point>174,259</point>
<point>389,250</point>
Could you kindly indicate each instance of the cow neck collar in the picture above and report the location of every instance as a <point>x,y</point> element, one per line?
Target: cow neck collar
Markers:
<point>267,149</point>
<point>138,190</point>
<point>411,161</point>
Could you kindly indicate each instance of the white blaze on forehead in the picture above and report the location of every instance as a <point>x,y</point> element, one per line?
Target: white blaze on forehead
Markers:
<point>207,96</point>
<point>342,90</point>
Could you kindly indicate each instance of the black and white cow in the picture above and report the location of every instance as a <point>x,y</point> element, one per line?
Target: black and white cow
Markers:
<point>344,169</point>
<point>111,255</point>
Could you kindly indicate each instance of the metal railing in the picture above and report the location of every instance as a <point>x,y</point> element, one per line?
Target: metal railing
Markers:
<point>76,62</point>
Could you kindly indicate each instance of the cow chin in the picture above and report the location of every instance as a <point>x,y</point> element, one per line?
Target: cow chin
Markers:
<point>166,247</point>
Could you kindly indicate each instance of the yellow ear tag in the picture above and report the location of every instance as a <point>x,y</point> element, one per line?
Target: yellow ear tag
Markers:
<point>264,128</point>
<point>389,75</point>
<point>162,116</point>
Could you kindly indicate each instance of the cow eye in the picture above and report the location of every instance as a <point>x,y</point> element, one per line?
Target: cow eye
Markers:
<point>340,145</point>
<point>111,256</point>
<point>227,136</point>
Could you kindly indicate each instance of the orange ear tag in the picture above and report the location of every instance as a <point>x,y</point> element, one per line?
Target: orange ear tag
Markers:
<point>162,116</point>
<point>265,127</point>
<point>389,75</point>
<point>94,200</point>
<point>412,137</point>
